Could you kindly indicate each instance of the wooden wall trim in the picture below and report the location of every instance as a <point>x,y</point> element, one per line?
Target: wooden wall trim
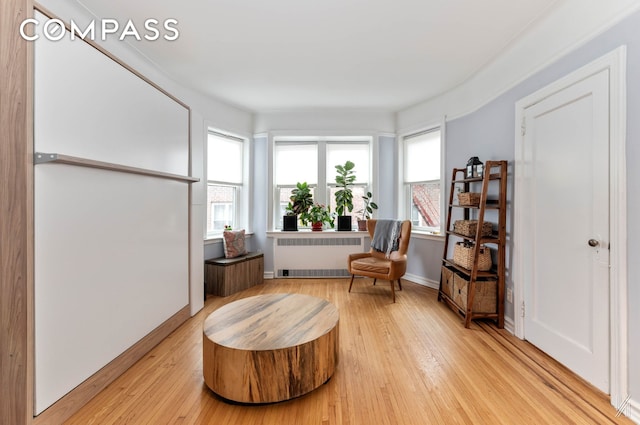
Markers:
<point>79,396</point>
<point>16,215</point>
<point>56,158</point>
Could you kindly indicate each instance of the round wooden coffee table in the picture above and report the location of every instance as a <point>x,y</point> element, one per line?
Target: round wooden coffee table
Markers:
<point>269,348</point>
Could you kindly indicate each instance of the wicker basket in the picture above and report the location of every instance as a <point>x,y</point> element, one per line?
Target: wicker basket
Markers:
<point>469,199</point>
<point>469,227</point>
<point>447,281</point>
<point>463,256</point>
<point>484,300</point>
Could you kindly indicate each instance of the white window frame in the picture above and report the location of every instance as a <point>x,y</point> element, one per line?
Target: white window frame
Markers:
<point>242,190</point>
<point>404,189</point>
<point>325,182</point>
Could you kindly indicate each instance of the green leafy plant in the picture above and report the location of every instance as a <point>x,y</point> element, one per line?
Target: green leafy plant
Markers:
<point>301,199</point>
<point>344,179</point>
<point>318,213</point>
<point>369,206</point>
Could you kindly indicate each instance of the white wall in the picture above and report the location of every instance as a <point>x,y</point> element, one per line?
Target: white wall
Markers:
<point>335,120</point>
<point>571,23</point>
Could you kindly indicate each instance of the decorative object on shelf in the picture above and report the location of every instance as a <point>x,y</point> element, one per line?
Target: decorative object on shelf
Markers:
<point>367,211</point>
<point>227,227</point>
<point>463,255</point>
<point>470,227</point>
<point>471,199</point>
<point>344,196</point>
<point>475,168</point>
<point>318,214</point>
<point>300,201</point>
<point>471,284</point>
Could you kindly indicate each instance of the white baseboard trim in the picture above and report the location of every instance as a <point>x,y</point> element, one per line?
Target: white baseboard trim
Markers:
<point>422,281</point>
<point>509,325</point>
<point>268,275</point>
<point>632,411</point>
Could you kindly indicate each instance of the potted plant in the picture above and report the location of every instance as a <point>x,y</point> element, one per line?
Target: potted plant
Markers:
<point>344,195</point>
<point>317,215</point>
<point>367,211</point>
<point>300,201</point>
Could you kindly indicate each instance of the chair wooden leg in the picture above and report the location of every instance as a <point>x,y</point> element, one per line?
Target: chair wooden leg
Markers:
<point>374,281</point>
<point>393,291</point>
<point>399,284</point>
<point>351,283</point>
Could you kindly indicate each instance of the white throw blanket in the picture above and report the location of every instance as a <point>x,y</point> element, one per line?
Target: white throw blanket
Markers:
<point>386,235</point>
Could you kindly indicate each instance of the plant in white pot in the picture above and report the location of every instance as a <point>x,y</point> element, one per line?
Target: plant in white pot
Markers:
<point>344,196</point>
<point>367,211</point>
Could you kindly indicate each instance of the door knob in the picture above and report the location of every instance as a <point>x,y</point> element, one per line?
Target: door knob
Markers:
<point>593,242</point>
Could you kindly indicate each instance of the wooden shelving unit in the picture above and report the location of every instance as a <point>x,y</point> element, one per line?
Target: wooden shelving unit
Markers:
<point>472,293</point>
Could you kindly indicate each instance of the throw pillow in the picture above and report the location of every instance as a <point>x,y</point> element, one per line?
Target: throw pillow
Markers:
<point>234,243</point>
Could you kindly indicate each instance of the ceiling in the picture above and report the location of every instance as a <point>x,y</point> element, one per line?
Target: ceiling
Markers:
<point>293,54</point>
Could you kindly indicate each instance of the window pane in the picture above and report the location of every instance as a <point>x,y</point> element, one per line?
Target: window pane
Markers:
<point>422,157</point>
<point>296,163</point>
<point>425,204</point>
<point>224,159</point>
<point>221,207</point>
<point>340,153</point>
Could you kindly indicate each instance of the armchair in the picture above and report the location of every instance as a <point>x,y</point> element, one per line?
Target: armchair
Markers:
<point>374,264</point>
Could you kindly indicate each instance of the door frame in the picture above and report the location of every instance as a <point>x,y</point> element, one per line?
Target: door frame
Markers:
<point>615,63</point>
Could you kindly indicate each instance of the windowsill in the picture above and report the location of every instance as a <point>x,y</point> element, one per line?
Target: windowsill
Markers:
<point>307,232</point>
<point>215,239</point>
<point>418,234</point>
<point>329,232</point>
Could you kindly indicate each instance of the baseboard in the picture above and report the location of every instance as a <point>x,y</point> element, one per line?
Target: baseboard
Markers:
<point>632,411</point>
<point>64,408</point>
<point>509,325</point>
<point>422,281</point>
<point>268,275</point>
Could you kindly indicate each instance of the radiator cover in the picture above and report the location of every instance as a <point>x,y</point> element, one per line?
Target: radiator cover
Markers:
<point>315,255</point>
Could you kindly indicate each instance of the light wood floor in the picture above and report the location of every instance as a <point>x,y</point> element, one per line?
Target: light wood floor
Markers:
<point>411,362</point>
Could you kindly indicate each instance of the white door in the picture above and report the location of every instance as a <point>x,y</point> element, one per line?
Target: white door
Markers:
<point>565,245</point>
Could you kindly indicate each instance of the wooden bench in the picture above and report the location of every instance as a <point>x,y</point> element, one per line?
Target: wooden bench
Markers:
<point>226,276</point>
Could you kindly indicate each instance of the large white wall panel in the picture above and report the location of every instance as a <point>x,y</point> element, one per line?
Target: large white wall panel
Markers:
<point>111,248</point>
<point>111,264</point>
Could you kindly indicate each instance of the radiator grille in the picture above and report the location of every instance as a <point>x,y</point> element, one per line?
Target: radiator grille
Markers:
<point>319,241</point>
<point>314,256</point>
<point>313,273</point>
